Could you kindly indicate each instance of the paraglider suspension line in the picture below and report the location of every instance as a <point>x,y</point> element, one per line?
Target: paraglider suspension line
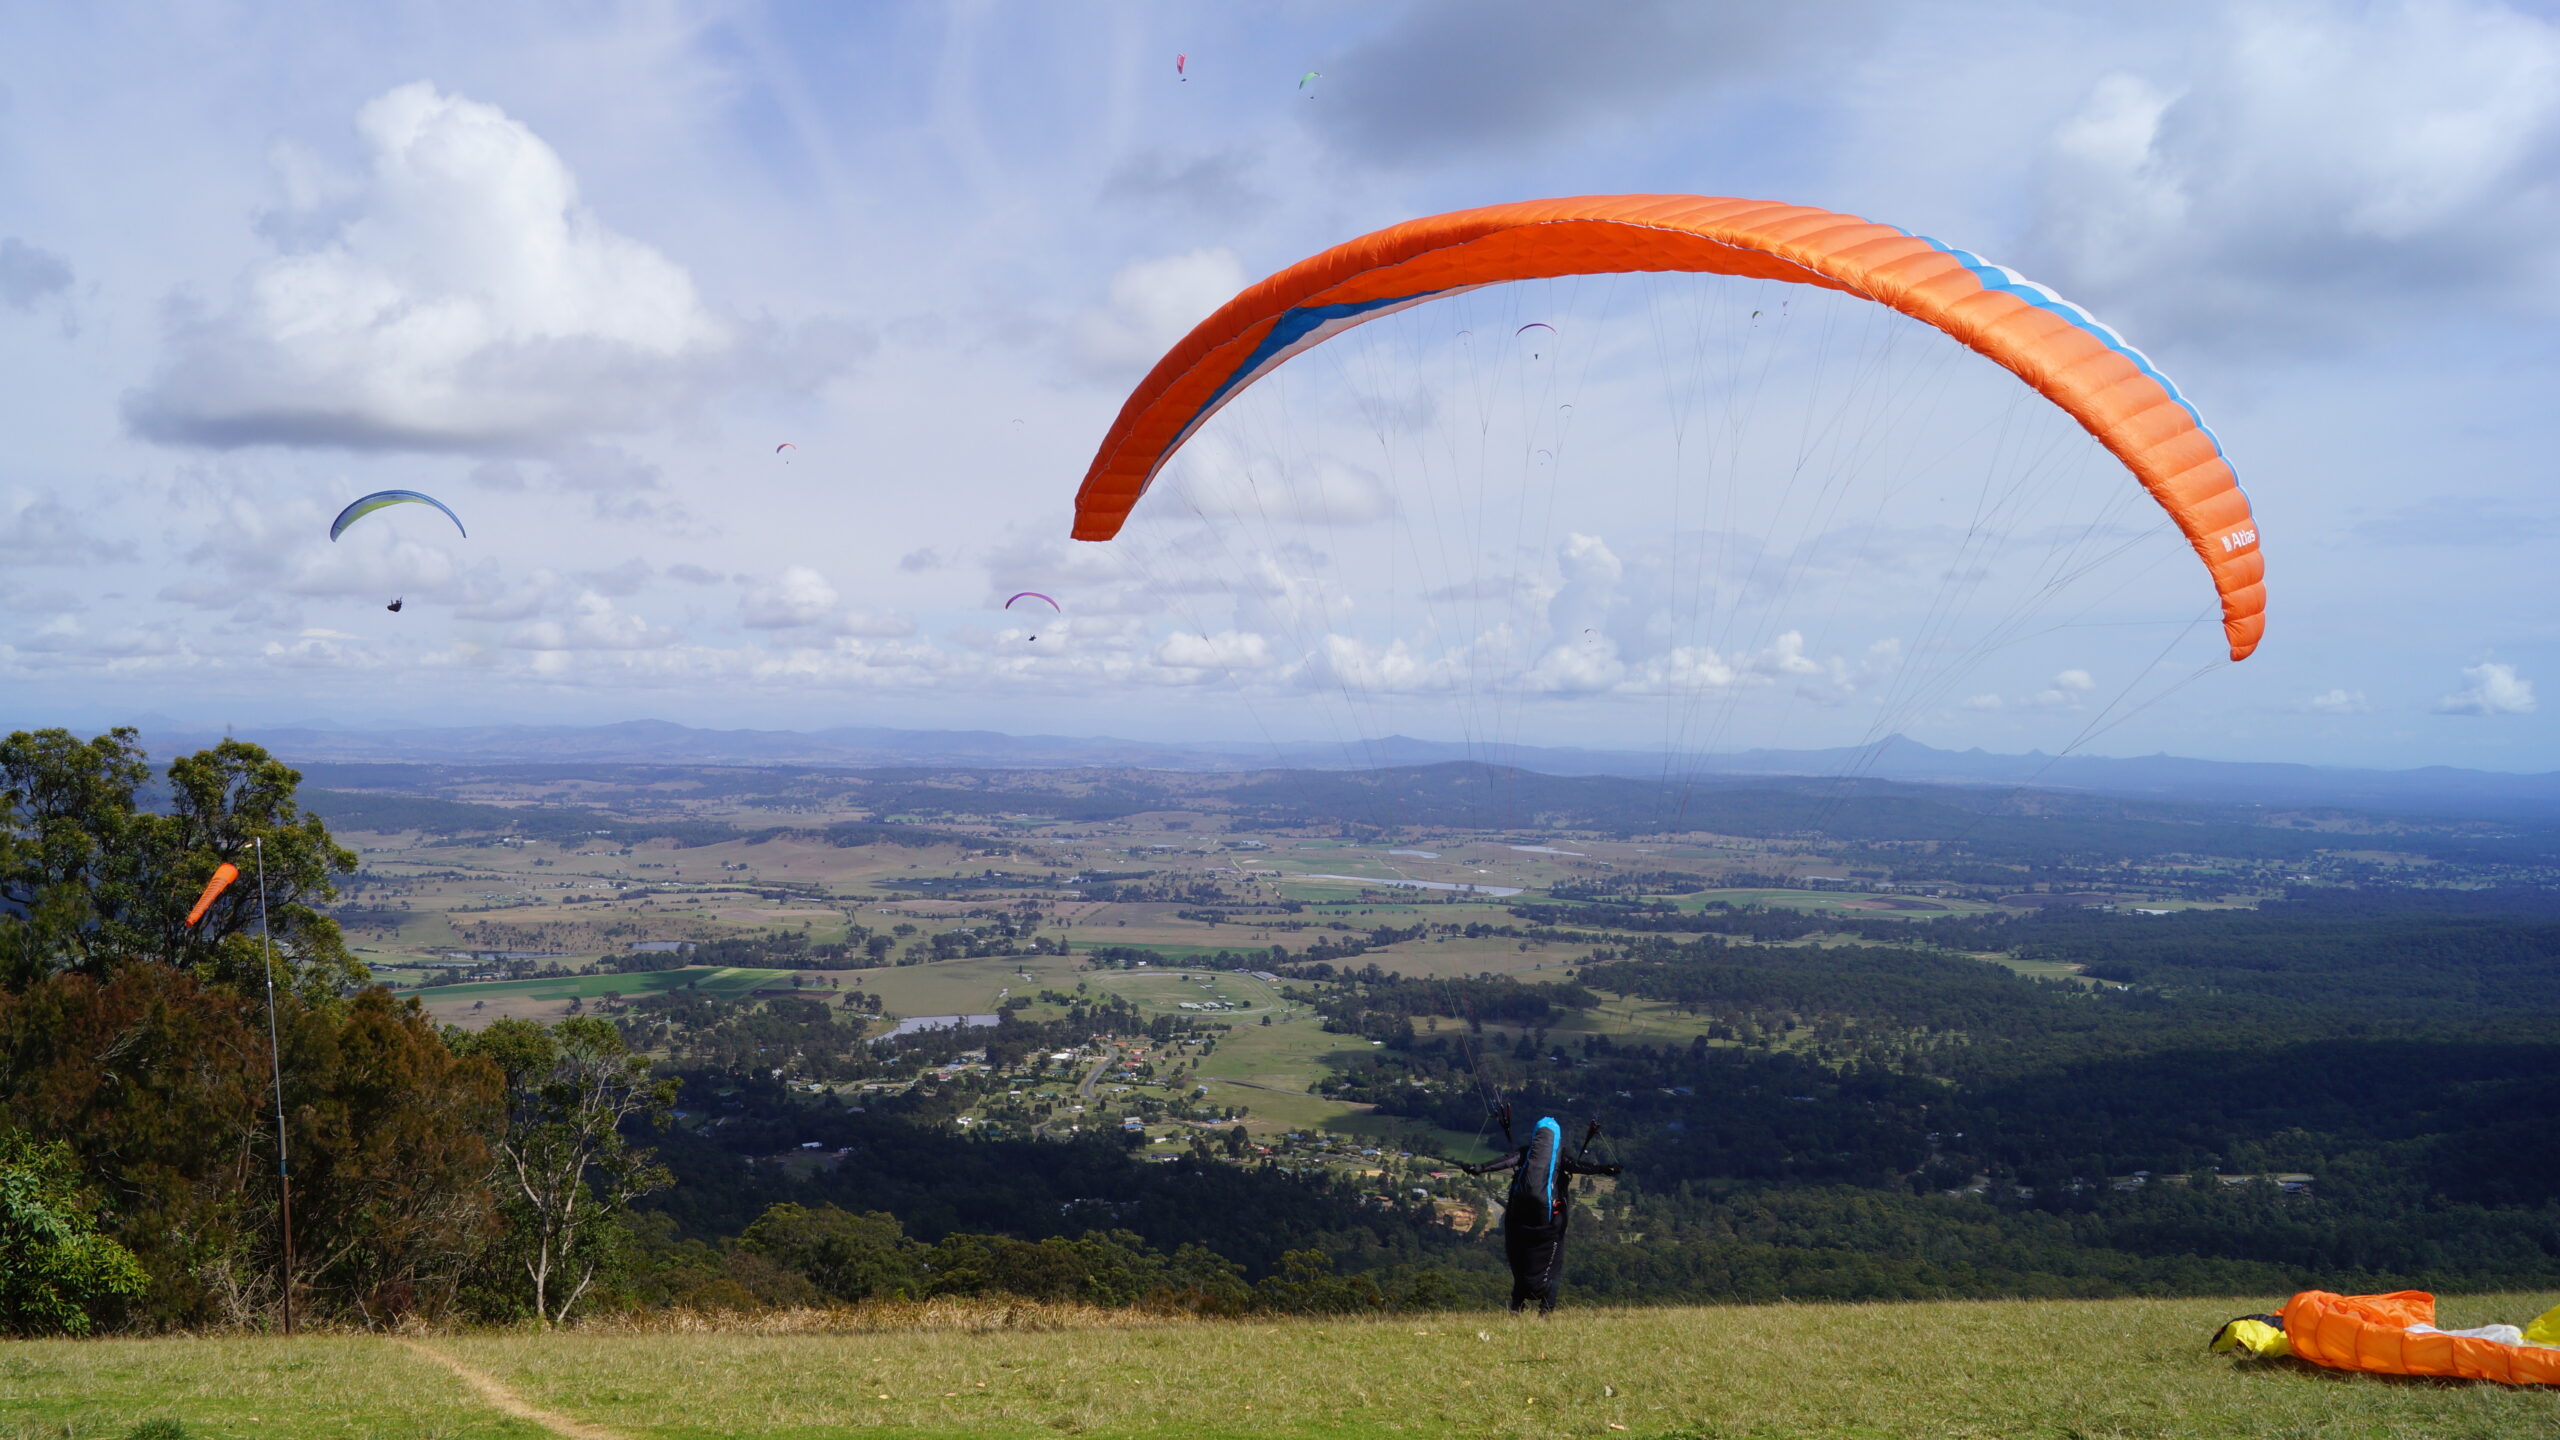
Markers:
<point>275,1061</point>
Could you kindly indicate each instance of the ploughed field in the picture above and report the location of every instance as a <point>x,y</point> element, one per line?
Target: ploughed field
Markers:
<point>2123,1368</point>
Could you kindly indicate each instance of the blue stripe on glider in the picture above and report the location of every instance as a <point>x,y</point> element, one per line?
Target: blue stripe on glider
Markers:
<point>2008,281</point>
<point>1292,327</point>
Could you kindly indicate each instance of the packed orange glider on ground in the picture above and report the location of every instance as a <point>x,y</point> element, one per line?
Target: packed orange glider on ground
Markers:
<point>2112,389</point>
<point>2372,1332</point>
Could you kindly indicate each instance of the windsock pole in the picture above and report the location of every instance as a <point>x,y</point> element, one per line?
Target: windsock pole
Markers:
<point>275,1060</point>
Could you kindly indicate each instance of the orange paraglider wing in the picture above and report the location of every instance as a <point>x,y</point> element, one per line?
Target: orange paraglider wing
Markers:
<point>2112,389</point>
<point>223,875</point>
<point>2373,1332</point>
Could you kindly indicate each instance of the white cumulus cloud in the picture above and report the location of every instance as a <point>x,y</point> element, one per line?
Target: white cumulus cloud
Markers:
<point>594,623</point>
<point>2495,689</point>
<point>2338,702</point>
<point>1226,650</point>
<point>1154,303</point>
<point>1215,480</point>
<point>876,624</point>
<point>2068,690</point>
<point>2327,163</point>
<point>798,596</point>
<point>37,529</point>
<point>468,300</point>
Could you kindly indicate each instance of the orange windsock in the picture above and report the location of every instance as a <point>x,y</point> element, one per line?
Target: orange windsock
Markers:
<point>223,875</point>
<point>2082,366</point>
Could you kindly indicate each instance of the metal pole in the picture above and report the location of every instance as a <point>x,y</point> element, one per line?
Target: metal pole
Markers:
<point>275,1059</point>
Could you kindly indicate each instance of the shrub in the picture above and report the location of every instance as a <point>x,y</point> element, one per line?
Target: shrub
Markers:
<point>55,1268</point>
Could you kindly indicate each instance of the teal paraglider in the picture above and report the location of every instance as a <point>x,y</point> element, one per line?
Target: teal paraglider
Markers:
<point>382,498</point>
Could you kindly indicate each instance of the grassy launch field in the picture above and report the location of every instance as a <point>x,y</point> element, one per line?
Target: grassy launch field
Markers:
<point>2131,1368</point>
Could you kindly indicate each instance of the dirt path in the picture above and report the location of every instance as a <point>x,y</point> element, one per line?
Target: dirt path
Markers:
<point>507,1401</point>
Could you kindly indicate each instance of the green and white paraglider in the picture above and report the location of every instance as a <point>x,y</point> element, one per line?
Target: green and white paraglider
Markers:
<point>383,499</point>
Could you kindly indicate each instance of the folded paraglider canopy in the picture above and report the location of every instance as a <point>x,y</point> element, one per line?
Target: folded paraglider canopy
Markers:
<point>2396,1334</point>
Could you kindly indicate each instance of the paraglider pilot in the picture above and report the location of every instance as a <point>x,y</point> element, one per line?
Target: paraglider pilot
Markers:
<point>1540,1205</point>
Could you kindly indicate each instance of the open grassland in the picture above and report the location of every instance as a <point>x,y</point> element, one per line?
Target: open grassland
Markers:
<point>1974,1369</point>
<point>1267,1069</point>
<point>1877,904</point>
<point>961,987</point>
<point>1626,1019</point>
<point>477,1003</point>
<point>1440,959</point>
<point>1164,991</point>
<point>1287,1056</point>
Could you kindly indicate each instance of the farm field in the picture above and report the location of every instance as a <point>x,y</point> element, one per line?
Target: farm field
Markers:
<point>1858,902</point>
<point>547,998</point>
<point>2123,1368</point>
<point>1441,959</point>
<point>959,987</point>
<point>1285,1056</point>
<point>1164,991</point>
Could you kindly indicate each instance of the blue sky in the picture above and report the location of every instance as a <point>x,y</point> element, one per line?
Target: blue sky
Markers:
<point>579,269</point>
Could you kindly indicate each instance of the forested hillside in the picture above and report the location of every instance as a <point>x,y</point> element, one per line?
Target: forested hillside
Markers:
<point>1224,1040</point>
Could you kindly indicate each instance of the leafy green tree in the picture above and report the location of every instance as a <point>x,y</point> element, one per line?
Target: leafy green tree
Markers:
<point>157,1082</point>
<point>1305,1284</point>
<point>55,1268</point>
<point>89,879</point>
<point>392,1205</point>
<point>221,801</point>
<point>69,861</point>
<point>566,1172</point>
<point>849,1256</point>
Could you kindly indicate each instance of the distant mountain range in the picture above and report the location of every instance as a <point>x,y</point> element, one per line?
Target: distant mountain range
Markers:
<point>2439,790</point>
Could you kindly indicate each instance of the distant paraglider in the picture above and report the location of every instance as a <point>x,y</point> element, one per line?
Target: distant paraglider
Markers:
<point>383,499</point>
<point>1306,79</point>
<point>1180,61</point>
<point>1021,595</point>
